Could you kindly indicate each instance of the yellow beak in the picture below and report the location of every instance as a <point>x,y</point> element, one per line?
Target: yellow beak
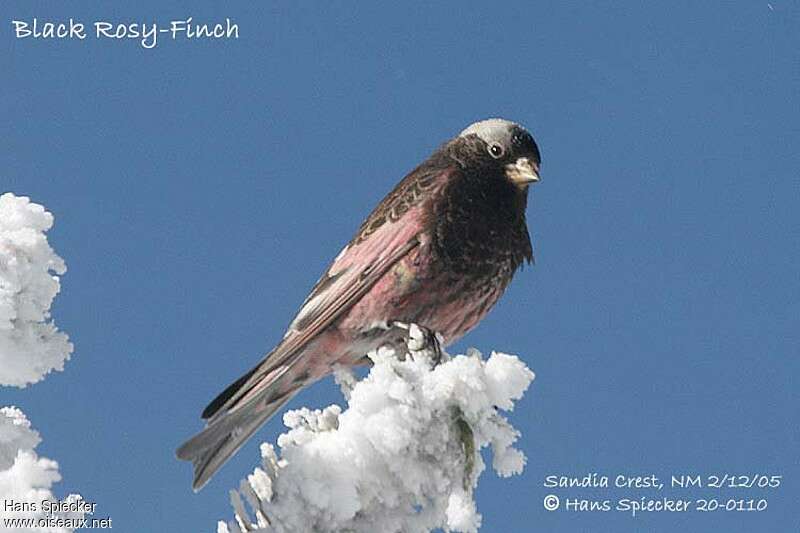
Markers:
<point>523,172</point>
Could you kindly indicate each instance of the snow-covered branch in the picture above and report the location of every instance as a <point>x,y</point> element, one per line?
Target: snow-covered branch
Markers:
<point>26,478</point>
<point>403,457</point>
<point>30,344</point>
<point>30,347</point>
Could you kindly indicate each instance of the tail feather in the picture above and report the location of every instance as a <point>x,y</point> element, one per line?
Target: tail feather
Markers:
<point>222,398</point>
<point>236,414</point>
<point>212,447</point>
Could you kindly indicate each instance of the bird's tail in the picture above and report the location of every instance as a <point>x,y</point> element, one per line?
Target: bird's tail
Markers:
<point>237,413</point>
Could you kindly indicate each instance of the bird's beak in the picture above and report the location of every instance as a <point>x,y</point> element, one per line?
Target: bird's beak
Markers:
<point>522,173</point>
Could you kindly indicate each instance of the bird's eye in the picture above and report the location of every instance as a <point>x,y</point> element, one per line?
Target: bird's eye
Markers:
<point>496,150</point>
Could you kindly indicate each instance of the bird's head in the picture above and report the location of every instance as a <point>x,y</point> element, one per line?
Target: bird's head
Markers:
<point>506,146</point>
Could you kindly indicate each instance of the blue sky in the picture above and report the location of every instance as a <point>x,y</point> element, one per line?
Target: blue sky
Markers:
<point>200,188</point>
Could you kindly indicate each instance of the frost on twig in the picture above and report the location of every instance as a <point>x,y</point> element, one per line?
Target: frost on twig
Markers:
<point>30,344</point>
<point>26,478</point>
<point>404,456</point>
<point>30,347</point>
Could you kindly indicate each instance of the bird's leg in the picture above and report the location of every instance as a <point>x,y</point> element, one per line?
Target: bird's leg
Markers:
<point>419,338</point>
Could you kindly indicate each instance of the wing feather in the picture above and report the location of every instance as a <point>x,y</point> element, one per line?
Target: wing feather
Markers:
<point>390,232</point>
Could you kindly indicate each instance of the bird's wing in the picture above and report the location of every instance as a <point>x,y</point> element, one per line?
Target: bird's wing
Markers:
<point>390,232</point>
<point>395,222</point>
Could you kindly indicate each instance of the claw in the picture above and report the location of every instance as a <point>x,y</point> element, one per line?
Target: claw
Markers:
<point>415,339</point>
<point>421,338</point>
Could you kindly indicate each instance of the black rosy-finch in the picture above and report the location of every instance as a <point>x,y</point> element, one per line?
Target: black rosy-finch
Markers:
<point>438,251</point>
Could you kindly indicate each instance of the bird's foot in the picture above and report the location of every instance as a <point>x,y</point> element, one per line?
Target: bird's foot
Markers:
<point>419,339</point>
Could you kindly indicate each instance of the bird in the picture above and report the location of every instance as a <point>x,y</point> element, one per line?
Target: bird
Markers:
<point>438,252</point>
